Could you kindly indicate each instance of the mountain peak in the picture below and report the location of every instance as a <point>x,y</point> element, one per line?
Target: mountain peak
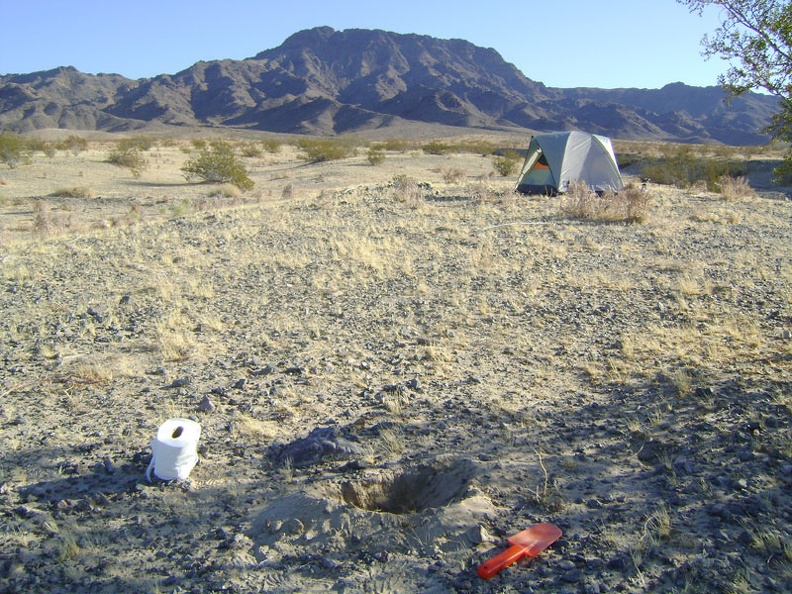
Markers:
<point>323,81</point>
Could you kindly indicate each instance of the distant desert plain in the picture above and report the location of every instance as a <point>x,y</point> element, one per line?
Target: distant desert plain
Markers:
<point>395,366</point>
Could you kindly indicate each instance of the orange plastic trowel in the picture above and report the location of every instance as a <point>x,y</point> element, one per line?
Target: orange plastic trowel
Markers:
<point>528,543</point>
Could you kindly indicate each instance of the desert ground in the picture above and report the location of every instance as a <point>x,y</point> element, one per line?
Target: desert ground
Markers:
<point>390,380</point>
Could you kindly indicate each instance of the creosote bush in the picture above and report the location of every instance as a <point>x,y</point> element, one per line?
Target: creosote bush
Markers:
<point>507,163</point>
<point>631,205</point>
<point>436,147</point>
<point>13,149</point>
<point>318,150</point>
<point>682,167</point>
<point>217,162</point>
<point>129,153</point>
<point>375,155</point>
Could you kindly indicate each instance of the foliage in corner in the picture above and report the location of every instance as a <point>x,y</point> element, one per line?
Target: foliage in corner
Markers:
<point>755,37</point>
<point>13,149</point>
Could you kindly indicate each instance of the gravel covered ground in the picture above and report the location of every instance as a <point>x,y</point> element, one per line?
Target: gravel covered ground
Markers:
<point>389,382</point>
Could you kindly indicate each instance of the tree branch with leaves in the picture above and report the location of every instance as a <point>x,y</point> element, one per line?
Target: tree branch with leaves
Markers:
<point>756,36</point>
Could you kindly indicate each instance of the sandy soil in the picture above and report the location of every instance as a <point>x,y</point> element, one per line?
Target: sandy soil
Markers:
<point>389,382</point>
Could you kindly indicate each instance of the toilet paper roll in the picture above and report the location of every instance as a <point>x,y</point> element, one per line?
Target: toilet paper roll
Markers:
<point>174,450</point>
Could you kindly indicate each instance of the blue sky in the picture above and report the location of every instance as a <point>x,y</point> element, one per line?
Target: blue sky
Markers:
<point>562,43</point>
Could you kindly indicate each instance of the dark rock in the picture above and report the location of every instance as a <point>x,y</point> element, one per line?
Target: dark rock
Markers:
<point>619,562</point>
<point>206,405</point>
<point>594,504</point>
<point>110,466</point>
<point>266,370</point>
<point>321,444</point>
<point>651,451</point>
<point>180,382</point>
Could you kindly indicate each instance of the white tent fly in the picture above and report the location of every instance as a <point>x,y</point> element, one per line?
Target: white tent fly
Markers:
<point>560,159</point>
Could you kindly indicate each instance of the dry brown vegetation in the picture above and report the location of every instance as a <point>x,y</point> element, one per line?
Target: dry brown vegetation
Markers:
<point>482,361</point>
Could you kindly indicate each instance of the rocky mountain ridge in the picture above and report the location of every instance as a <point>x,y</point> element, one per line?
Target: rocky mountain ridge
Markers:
<point>323,81</point>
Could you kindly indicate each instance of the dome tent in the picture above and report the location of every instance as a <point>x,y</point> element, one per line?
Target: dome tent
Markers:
<point>559,159</point>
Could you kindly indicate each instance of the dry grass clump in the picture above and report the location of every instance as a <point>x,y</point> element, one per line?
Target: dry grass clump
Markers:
<point>225,190</point>
<point>73,192</point>
<point>735,188</point>
<point>407,190</point>
<point>453,175</point>
<point>631,205</point>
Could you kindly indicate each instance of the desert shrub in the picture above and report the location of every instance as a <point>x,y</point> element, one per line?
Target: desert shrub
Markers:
<point>435,147</point>
<point>141,143</point>
<point>250,150</point>
<point>129,156</point>
<point>507,163</point>
<point>476,146</point>
<point>271,145</point>
<point>36,145</point>
<point>631,205</point>
<point>735,188</point>
<point>73,192</point>
<point>13,149</point>
<point>407,190</point>
<point>682,167</point>
<point>75,144</point>
<point>375,155</point>
<point>396,146</point>
<point>453,175</point>
<point>317,150</point>
<point>481,192</point>
<point>217,162</point>
<point>225,190</point>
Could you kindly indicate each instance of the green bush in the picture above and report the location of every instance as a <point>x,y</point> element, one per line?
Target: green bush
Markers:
<point>13,149</point>
<point>318,150</point>
<point>216,162</point>
<point>271,145</point>
<point>436,147</point>
<point>681,167</point>
<point>396,145</point>
<point>125,155</point>
<point>375,155</point>
<point>141,143</point>
<point>250,149</point>
<point>72,143</point>
<point>507,163</point>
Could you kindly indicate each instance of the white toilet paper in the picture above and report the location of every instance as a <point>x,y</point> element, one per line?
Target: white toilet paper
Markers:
<point>174,450</point>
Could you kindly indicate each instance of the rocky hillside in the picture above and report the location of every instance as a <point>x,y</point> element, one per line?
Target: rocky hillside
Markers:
<point>323,81</point>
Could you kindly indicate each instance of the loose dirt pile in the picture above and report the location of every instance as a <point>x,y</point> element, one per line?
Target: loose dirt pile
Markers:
<point>388,385</point>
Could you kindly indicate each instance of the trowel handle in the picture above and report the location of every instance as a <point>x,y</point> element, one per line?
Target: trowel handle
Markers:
<point>501,561</point>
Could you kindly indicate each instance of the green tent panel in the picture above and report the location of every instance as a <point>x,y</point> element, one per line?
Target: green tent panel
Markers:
<point>560,159</point>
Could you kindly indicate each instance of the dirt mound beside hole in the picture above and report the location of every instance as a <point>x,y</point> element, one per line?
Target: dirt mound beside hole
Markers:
<point>424,487</point>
